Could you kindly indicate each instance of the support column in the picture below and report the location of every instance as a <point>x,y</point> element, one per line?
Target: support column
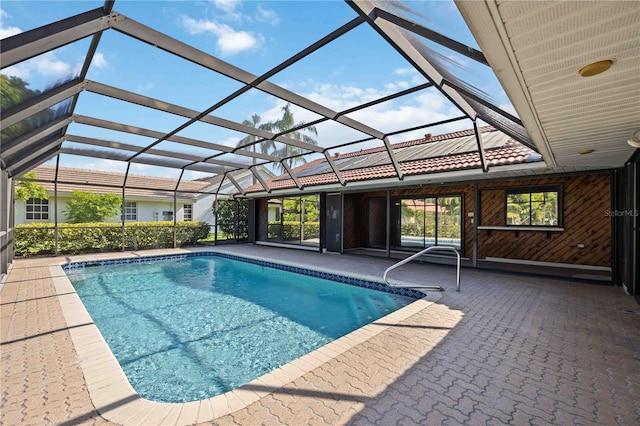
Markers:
<point>122,208</point>
<point>252,216</point>
<point>56,249</point>
<point>388,221</point>
<point>476,218</point>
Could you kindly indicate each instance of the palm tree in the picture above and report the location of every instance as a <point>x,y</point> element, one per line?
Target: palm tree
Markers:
<point>266,145</point>
<point>286,123</point>
<point>282,125</point>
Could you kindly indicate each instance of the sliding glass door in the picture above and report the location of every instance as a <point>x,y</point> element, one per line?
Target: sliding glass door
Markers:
<point>294,220</point>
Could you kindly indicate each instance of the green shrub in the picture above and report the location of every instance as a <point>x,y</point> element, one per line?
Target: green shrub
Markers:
<point>232,217</point>
<point>39,238</point>
<point>35,238</point>
<point>291,230</point>
<point>444,230</point>
<point>88,207</point>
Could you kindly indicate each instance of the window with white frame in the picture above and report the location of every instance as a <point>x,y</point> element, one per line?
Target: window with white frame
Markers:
<point>37,209</point>
<point>130,211</point>
<point>188,212</point>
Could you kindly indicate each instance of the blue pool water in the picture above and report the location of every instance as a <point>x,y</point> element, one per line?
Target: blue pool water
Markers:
<point>189,329</point>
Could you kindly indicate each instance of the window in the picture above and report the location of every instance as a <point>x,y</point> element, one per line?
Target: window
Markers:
<point>533,208</point>
<point>37,209</point>
<point>430,221</point>
<point>188,212</point>
<point>130,211</point>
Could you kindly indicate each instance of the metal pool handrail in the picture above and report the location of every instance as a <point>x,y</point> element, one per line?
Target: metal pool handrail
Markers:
<point>410,258</point>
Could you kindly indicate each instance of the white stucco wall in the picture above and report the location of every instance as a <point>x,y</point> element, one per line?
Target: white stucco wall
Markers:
<point>203,209</point>
<point>21,213</point>
<point>147,210</point>
<point>152,211</point>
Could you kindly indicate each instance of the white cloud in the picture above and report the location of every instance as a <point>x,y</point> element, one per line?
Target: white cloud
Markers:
<point>99,60</point>
<point>47,65</point>
<point>411,73</point>
<point>414,110</point>
<point>265,15</point>
<point>397,86</point>
<point>8,32</point>
<point>228,6</point>
<point>404,71</point>
<point>145,87</point>
<point>18,70</point>
<point>230,9</point>
<point>230,41</point>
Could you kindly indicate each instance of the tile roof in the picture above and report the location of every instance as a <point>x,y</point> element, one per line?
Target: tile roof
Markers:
<point>82,180</point>
<point>432,154</point>
<point>427,139</point>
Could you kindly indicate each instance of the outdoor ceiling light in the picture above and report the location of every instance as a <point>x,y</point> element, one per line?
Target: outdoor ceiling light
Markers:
<point>595,68</point>
<point>634,139</point>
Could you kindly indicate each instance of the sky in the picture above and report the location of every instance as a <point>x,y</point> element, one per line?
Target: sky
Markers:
<point>256,36</point>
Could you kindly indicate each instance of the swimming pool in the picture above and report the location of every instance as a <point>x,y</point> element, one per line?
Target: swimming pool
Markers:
<point>189,327</point>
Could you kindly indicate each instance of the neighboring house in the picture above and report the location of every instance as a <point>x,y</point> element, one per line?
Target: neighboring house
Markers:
<point>147,198</point>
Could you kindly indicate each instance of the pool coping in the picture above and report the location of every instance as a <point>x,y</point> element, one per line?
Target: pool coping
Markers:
<point>116,400</point>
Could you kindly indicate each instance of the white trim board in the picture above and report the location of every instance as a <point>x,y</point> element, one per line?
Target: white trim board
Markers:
<point>551,264</point>
<point>283,245</point>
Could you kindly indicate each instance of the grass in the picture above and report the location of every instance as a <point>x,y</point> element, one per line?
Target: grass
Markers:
<point>212,238</point>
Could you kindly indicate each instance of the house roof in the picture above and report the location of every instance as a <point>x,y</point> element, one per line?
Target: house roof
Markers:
<point>431,154</point>
<point>72,179</point>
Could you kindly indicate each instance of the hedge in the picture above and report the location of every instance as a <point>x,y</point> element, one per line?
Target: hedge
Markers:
<point>444,231</point>
<point>39,238</point>
<point>291,230</point>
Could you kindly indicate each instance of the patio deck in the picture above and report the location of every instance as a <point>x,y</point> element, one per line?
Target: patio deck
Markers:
<point>507,349</point>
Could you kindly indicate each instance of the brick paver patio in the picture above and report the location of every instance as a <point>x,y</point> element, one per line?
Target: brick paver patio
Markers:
<point>507,349</point>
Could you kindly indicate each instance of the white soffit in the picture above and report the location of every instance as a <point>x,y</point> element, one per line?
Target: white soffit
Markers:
<point>536,49</point>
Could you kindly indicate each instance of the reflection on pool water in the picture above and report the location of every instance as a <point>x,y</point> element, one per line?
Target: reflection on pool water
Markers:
<point>192,328</point>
